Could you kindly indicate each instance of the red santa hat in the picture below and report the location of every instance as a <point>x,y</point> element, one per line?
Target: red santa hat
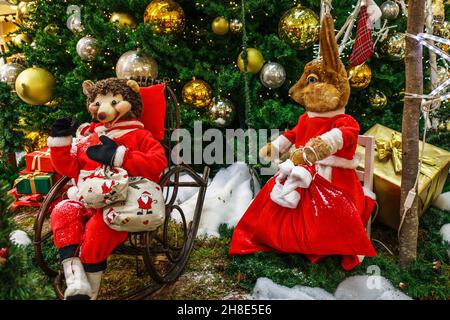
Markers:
<point>154,109</point>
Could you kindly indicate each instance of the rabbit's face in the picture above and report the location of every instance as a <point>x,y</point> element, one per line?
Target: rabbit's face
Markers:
<point>323,85</point>
<point>321,89</point>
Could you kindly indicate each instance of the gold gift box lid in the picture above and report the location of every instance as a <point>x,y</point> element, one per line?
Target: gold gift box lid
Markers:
<point>385,168</point>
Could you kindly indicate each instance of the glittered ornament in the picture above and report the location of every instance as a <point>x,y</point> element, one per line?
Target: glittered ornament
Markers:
<point>21,39</point>
<point>299,27</point>
<point>51,29</point>
<point>35,86</point>
<point>220,26</point>
<point>255,60</point>
<point>87,48</point>
<point>272,75</point>
<point>389,10</point>
<point>393,48</point>
<point>377,99</point>
<point>123,20</point>
<point>9,72</point>
<point>134,65</point>
<point>222,112</point>
<point>74,24</point>
<point>25,9</point>
<point>401,285</point>
<point>35,140</point>
<point>197,93</point>
<point>235,25</point>
<point>360,76</point>
<point>442,126</point>
<point>165,16</point>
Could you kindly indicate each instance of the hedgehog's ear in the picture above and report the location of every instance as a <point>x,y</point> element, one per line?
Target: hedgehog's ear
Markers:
<point>328,45</point>
<point>133,85</point>
<point>87,86</point>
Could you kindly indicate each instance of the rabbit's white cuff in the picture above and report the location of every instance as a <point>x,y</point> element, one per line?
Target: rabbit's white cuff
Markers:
<point>281,144</point>
<point>333,139</point>
<point>59,141</point>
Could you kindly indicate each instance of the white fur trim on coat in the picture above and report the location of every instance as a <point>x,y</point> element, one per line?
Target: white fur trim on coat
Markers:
<point>59,141</point>
<point>119,157</point>
<point>333,139</point>
<point>339,162</point>
<point>281,144</point>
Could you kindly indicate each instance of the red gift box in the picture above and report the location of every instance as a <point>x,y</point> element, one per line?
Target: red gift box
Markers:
<point>39,161</point>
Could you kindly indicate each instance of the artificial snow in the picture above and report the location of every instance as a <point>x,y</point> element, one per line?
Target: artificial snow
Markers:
<point>227,197</point>
<point>368,288</point>
<point>266,289</point>
<point>445,233</point>
<point>353,288</point>
<point>443,201</point>
<point>20,238</point>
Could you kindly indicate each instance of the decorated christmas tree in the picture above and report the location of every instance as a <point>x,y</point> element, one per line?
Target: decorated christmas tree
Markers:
<point>65,43</point>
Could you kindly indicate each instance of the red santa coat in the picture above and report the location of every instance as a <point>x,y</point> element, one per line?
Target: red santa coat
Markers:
<point>138,153</point>
<point>309,229</point>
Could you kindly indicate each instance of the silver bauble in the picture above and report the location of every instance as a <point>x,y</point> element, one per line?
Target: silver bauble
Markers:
<point>9,72</point>
<point>74,24</point>
<point>133,65</point>
<point>272,75</point>
<point>389,10</point>
<point>235,25</point>
<point>87,48</point>
<point>222,112</point>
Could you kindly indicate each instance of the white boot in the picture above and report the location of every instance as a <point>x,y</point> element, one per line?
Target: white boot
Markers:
<point>78,287</point>
<point>95,279</point>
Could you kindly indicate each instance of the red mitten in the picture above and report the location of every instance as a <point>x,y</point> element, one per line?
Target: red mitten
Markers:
<point>363,47</point>
<point>154,109</point>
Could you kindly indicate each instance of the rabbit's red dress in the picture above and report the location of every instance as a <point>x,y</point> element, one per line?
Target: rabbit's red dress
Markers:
<point>332,212</point>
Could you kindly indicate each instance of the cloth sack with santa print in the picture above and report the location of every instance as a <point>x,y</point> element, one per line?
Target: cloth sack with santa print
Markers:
<point>143,210</point>
<point>101,187</point>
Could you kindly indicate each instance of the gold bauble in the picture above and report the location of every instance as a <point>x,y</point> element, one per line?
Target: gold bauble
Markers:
<point>299,27</point>
<point>255,60</point>
<point>123,20</point>
<point>21,39</point>
<point>197,93</point>
<point>166,16</point>
<point>393,48</point>
<point>51,29</point>
<point>377,100</point>
<point>35,140</point>
<point>360,76</point>
<point>220,26</point>
<point>442,126</point>
<point>35,86</point>
<point>443,31</point>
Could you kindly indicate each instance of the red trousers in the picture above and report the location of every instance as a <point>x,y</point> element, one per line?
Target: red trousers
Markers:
<point>74,224</point>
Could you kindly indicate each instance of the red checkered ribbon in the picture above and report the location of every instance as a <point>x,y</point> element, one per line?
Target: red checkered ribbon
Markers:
<point>363,47</point>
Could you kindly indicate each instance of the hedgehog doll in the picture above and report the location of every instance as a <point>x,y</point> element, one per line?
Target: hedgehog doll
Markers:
<point>315,205</point>
<point>116,138</point>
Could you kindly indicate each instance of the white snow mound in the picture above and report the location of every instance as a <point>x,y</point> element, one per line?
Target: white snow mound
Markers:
<point>445,233</point>
<point>266,289</point>
<point>353,288</point>
<point>20,238</point>
<point>227,197</point>
<point>443,201</point>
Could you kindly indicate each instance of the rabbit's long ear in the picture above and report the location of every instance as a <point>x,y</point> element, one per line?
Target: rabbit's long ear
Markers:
<point>328,45</point>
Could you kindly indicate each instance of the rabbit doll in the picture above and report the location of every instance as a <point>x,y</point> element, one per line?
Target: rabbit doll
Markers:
<point>315,205</point>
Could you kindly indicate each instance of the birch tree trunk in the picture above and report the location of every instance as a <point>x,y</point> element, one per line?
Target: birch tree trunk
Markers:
<point>410,132</point>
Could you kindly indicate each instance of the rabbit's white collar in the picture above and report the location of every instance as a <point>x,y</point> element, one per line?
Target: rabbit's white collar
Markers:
<point>329,114</point>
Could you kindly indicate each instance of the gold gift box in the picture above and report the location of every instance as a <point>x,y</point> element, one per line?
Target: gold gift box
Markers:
<point>387,182</point>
